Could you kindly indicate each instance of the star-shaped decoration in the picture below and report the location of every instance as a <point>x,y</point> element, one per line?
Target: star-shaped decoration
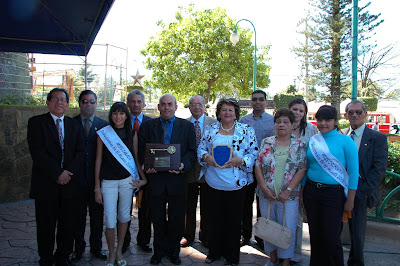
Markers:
<point>137,78</point>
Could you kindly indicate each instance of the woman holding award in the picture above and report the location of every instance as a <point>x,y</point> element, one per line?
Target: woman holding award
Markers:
<point>330,187</point>
<point>227,152</point>
<point>280,167</point>
<point>117,171</point>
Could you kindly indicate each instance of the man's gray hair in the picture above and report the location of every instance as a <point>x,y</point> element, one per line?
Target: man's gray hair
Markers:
<point>356,101</point>
<point>191,98</point>
<point>169,94</point>
<point>137,92</point>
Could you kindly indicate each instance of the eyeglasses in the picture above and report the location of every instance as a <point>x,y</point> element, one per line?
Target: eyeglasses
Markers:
<point>87,101</point>
<point>358,112</point>
<point>261,99</point>
<point>195,104</point>
<point>55,100</point>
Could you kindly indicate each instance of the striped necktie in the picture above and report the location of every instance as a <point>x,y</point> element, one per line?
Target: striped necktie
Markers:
<point>165,131</point>
<point>198,132</point>
<point>61,139</point>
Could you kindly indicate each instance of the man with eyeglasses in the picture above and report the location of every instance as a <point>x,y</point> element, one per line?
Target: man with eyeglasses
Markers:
<point>372,154</point>
<point>90,123</point>
<point>263,124</point>
<point>196,187</point>
<point>56,147</point>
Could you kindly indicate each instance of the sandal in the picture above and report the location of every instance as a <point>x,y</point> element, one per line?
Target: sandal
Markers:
<point>209,260</point>
<point>122,262</point>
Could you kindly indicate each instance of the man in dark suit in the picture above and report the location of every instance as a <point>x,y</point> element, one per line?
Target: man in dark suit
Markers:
<point>196,187</point>
<point>89,125</point>
<point>135,102</point>
<point>168,187</point>
<point>373,154</point>
<point>56,147</point>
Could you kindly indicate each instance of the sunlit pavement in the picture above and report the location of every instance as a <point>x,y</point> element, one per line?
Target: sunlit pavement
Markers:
<point>18,243</point>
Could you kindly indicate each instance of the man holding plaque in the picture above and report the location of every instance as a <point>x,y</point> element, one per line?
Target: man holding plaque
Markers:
<point>196,186</point>
<point>135,102</point>
<point>263,124</point>
<point>167,186</point>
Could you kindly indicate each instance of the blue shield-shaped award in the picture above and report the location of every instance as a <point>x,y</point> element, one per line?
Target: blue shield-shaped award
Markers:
<point>222,154</point>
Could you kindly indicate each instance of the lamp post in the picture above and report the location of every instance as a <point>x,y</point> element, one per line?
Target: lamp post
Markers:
<point>235,39</point>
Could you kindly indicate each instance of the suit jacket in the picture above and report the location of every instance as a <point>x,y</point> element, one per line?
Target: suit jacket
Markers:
<point>87,168</point>
<point>46,153</point>
<point>193,174</point>
<point>373,155</point>
<point>182,133</point>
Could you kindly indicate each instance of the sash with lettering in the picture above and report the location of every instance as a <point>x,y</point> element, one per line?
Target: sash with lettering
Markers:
<point>328,162</point>
<point>118,149</point>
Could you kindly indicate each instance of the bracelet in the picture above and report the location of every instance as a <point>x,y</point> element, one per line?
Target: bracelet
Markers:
<point>97,189</point>
<point>289,189</point>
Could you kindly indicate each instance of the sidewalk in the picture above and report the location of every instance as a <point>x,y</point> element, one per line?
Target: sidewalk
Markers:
<point>18,243</point>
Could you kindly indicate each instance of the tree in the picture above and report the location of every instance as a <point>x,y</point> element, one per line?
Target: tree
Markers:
<point>393,95</point>
<point>193,55</point>
<point>291,89</point>
<point>80,77</point>
<point>328,39</point>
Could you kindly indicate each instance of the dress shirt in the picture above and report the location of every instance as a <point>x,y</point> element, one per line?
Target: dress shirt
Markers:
<point>61,124</point>
<point>263,125</point>
<point>201,122</point>
<point>170,126</point>
<point>90,121</point>
<point>140,119</point>
<point>357,135</point>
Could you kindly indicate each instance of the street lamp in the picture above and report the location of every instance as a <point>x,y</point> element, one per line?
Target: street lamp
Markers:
<point>235,39</point>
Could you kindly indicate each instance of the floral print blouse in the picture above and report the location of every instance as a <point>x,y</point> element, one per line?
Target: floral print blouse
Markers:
<point>296,161</point>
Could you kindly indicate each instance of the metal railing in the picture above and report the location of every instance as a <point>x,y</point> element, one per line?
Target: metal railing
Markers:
<point>381,208</point>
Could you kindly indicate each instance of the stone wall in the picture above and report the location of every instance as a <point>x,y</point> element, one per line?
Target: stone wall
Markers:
<point>15,160</point>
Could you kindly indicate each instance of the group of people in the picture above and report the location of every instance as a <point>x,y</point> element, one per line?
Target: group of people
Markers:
<point>85,163</point>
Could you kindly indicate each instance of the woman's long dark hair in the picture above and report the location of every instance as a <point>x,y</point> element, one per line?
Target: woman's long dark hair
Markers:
<point>303,121</point>
<point>122,107</point>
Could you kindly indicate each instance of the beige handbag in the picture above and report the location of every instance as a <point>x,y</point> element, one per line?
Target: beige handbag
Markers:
<point>273,232</point>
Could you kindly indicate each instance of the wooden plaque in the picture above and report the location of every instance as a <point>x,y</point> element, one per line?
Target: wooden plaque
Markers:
<point>162,157</point>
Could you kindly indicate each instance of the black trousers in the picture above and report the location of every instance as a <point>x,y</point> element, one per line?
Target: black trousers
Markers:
<point>358,226</point>
<point>247,219</point>
<point>55,214</point>
<point>193,191</point>
<point>144,218</point>
<point>86,200</point>
<point>225,221</point>
<point>324,207</point>
<point>168,227</point>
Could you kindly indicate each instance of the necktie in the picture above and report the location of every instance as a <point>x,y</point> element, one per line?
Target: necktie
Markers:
<point>352,134</point>
<point>61,139</point>
<point>87,127</point>
<point>198,132</point>
<point>136,125</point>
<point>165,131</point>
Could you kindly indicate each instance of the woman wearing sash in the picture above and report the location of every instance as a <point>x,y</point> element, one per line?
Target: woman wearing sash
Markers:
<point>279,168</point>
<point>226,181</point>
<point>116,175</point>
<point>329,188</point>
<point>303,130</point>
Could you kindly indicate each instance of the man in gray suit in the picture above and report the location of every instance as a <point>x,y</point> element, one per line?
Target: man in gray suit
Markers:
<point>194,185</point>
<point>372,154</point>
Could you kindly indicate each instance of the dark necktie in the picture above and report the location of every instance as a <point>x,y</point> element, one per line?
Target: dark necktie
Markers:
<point>87,127</point>
<point>198,132</point>
<point>61,139</point>
<point>165,131</point>
<point>136,125</point>
<point>352,134</point>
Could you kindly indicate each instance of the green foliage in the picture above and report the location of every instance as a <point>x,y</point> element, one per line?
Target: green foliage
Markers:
<point>371,103</point>
<point>343,123</point>
<point>393,163</point>
<point>283,100</point>
<point>193,55</point>
<point>291,89</point>
<point>80,78</point>
<point>19,99</point>
<point>243,112</point>
<point>393,95</point>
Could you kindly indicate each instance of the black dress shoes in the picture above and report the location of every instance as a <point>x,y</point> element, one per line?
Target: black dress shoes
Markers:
<point>100,254</point>
<point>155,260</point>
<point>145,247</point>
<point>76,256</point>
<point>175,260</point>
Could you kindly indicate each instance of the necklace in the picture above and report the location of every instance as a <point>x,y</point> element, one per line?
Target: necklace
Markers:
<point>295,128</point>
<point>229,129</point>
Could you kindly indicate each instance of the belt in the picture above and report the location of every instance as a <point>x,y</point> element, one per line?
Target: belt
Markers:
<point>322,186</point>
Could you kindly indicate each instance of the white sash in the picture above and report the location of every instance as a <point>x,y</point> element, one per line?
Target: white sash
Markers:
<point>118,149</point>
<point>328,162</point>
